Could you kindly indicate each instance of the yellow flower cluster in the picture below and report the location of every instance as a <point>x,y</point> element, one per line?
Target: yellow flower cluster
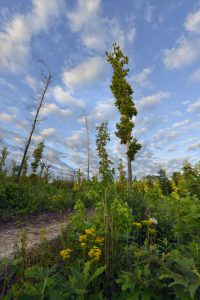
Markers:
<point>137,225</point>
<point>90,231</point>
<point>83,238</point>
<point>65,254</point>
<point>99,240</point>
<point>147,222</point>
<point>94,253</point>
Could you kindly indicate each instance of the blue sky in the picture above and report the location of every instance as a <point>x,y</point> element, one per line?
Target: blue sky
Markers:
<point>162,40</point>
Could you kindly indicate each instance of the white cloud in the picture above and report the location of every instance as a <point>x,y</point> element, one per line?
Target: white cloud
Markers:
<point>16,35</point>
<point>4,117</point>
<point>48,132</point>
<point>31,82</point>
<point>166,135</point>
<point>193,147</point>
<point>82,14</point>
<point>87,20</point>
<point>105,110</point>
<point>193,22</point>
<point>180,124</point>
<point>194,107</point>
<point>152,100</point>
<point>85,73</point>
<point>183,54</point>
<point>195,75</point>
<point>77,139</point>
<point>142,78</point>
<point>65,97</point>
<point>51,108</point>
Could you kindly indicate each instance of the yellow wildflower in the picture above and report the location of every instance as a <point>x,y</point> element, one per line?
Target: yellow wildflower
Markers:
<point>83,238</point>
<point>99,240</point>
<point>94,253</point>
<point>147,222</point>
<point>65,254</point>
<point>90,231</point>
<point>83,245</point>
<point>137,225</point>
<point>150,222</point>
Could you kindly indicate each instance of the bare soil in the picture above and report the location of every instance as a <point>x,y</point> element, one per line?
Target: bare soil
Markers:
<point>11,232</point>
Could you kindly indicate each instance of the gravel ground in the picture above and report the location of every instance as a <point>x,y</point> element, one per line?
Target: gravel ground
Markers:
<point>10,233</point>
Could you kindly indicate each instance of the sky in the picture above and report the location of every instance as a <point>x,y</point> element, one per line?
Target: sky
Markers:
<point>162,41</point>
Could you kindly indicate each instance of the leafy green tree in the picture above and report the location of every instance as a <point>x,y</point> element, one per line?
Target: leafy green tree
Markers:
<point>165,183</point>
<point>187,169</point>
<point>105,163</point>
<point>122,92</point>
<point>176,177</point>
<point>121,183</point>
<point>4,154</point>
<point>37,155</point>
<point>151,179</point>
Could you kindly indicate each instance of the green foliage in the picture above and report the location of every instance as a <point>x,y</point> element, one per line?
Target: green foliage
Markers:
<point>122,92</point>
<point>165,183</point>
<point>143,244</point>
<point>25,167</point>
<point>102,138</point>
<point>27,198</point>
<point>4,154</point>
<point>37,156</point>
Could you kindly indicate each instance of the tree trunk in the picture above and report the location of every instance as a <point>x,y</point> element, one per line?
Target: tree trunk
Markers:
<point>129,167</point>
<point>88,146</point>
<point>33,127</point>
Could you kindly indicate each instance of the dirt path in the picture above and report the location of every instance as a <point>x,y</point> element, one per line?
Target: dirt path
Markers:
<point>11,233</point>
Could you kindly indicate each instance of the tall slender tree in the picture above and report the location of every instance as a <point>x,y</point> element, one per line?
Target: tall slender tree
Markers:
<point>105,163</point>
<point>122,92</point>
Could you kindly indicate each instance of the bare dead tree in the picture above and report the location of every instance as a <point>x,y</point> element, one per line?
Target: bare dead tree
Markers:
<point>46,80</point>
<point>88,144</point>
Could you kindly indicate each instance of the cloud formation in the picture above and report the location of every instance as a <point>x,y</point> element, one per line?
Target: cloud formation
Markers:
<point>91,70</point>
<point>17,33</point>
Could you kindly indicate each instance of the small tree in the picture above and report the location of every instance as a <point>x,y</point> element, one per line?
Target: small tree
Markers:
<point>122,92</point>
<point>37,155</point>
<point>4,154</point>
<point>165,183</point>
<point>122,175</point>
<point>105,163</point>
